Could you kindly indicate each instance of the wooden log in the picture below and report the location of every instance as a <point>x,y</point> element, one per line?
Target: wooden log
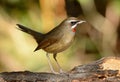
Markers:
<point>103,70</point>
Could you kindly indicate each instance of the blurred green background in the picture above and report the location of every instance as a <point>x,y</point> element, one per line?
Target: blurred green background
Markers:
<point>16,47</point>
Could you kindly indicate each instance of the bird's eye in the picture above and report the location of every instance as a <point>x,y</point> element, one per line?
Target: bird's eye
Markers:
<point>74,22</point>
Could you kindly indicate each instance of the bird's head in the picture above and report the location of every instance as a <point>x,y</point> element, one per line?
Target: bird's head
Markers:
<point>72,23</point>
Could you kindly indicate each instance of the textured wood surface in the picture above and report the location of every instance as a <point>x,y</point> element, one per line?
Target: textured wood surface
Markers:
<point>104,70</point>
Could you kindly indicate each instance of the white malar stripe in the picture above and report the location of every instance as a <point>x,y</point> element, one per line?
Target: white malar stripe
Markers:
<point>74,26</point>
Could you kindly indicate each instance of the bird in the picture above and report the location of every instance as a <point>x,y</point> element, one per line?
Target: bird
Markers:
<point>56,40</point>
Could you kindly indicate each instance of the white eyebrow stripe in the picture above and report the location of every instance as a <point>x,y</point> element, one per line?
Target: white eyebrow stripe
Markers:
<point>72,20</point>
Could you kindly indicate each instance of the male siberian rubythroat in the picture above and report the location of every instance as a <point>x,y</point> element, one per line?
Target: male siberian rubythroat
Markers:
<point>57,40</point>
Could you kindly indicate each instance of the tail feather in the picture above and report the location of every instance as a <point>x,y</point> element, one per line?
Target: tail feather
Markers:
<point>38,36</point>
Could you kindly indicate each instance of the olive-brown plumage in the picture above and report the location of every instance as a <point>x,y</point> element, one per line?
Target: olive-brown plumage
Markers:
<point>57,40</point>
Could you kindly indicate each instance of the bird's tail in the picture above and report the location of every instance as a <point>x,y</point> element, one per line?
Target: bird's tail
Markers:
<point>38,36</point>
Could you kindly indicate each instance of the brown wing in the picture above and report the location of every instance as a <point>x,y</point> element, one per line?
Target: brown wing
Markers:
<point>50,38</point>
<point>45,43</point>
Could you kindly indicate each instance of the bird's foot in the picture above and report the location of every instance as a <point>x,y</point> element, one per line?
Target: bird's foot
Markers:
<point>52,71</point>
<point>62,72</point>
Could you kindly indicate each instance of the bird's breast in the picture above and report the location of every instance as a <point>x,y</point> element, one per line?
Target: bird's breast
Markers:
<point>61,44</point>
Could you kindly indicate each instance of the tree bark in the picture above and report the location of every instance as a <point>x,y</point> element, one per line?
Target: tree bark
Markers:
<point>103,70</point>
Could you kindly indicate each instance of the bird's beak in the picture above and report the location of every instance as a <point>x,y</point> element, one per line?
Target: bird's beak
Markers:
<point>81,22</point>
<point>78,23</point>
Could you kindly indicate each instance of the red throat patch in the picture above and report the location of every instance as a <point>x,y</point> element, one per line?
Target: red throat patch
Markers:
<point>74,29</point>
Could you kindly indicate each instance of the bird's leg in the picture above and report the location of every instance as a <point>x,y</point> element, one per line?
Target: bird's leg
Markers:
<point>49,62</point>
<point>54,56</point>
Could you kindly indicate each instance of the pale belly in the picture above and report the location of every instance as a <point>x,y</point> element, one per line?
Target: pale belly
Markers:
<point>60,46</point>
